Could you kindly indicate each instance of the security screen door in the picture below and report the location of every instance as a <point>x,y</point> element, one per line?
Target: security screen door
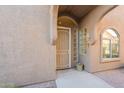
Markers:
<point>63,48</point>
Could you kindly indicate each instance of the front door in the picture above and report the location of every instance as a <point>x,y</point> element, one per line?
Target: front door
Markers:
<point>63,48</point>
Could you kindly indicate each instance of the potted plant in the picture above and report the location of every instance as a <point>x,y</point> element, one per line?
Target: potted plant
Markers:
<point>79,66</point>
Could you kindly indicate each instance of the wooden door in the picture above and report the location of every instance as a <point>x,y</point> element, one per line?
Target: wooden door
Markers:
<point>63,48</point>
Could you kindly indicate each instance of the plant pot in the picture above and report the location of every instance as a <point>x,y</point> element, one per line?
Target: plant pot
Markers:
<point>79,67</point>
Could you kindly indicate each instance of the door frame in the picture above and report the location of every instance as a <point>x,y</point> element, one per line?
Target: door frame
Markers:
<point>69,51</point>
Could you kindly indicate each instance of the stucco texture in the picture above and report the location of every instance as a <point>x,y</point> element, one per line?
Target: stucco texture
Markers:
<point>113,19</point>
<point>26,55</point>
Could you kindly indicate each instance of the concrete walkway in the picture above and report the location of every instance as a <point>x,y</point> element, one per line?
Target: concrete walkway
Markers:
<point>113,77</point>
<point>79,79</point>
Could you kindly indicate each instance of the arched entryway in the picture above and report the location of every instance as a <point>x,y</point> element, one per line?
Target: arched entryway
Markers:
<point>67,42</point>
<point>64,16</point>
<point>69,18</point>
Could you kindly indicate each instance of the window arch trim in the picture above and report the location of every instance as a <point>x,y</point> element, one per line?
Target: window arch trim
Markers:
<point>101,46</point>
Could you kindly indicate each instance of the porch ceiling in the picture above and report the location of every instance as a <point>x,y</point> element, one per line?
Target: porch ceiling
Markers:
<point>76,11</point>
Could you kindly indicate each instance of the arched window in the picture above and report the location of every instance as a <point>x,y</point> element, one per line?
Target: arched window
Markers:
<point>110,44</point>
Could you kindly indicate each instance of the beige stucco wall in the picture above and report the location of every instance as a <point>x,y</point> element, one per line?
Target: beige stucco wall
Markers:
<point>26,55</point>
<point>113,19</point>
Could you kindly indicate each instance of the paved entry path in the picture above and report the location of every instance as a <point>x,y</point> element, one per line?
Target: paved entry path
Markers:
<point>72,78</point>
<point>113,77</point>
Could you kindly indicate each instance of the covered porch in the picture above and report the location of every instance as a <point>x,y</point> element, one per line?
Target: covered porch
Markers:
<point>76,34</point>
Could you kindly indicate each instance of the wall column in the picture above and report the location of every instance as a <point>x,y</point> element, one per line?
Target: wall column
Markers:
<point>53,24</point>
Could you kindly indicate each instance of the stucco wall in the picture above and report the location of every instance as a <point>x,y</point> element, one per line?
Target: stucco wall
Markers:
<point>113,19</point>
<point>26,55</point>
